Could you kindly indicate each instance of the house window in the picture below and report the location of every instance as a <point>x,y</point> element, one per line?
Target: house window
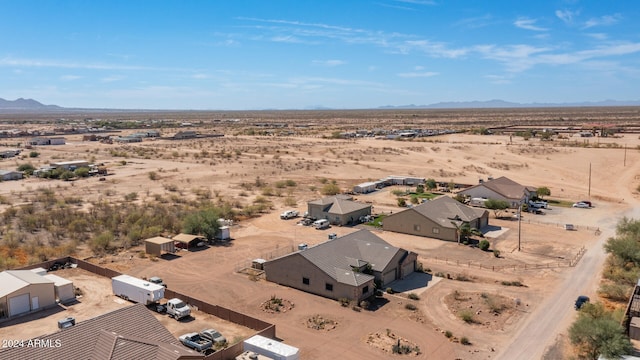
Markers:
<point>416,227</point>
<point>365,290</point>
<point>305,280</point>
<point>328,287</point>
<point>436,230</point>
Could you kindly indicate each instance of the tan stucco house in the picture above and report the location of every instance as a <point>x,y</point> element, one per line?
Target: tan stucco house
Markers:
<point>501,188</point>
<point>347,267</point>
<point>439,218</point>
<point>339,209</point>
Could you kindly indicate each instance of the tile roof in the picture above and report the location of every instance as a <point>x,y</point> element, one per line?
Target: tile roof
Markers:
<point>505,187</point>
<point>444,210</point>
<point>336,257</point>
<point>128,333</point>
<point>342,207</point>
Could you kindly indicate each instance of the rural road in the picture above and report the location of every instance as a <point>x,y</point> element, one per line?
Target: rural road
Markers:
<point>554,316</point>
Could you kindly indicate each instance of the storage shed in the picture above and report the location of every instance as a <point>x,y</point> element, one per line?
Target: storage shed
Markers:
<point>159,245</point>
<point>271,348</point>
<point>634,328</point>
<point>365,188</point>
<point>23,291</point>
<point>63,288</point>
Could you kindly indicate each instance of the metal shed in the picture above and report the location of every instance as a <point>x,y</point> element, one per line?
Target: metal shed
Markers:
<point>157,245</point>
<point>63,288</point>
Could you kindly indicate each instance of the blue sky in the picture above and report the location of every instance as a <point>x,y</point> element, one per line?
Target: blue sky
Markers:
<point>298,54</point>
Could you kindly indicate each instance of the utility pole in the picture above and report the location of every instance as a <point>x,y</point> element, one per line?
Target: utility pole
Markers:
<point>589,181</point>
<point>519,224</point>
<point>624,163</point>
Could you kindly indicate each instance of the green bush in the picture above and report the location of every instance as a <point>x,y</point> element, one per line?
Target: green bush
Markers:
<point>484,245</point>
<point>390,290</point>
<point>465,341</point>
<point>467,316</point>
<point>413,296</point>
<point>410,307</point>
<point>448,334</point>
<point>496,253</point>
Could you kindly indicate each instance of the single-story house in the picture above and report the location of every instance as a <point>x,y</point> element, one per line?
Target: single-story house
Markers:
<point>189,134</point>
<point>439,218</point>
<point>23,291</point>
<point>159,245</point>
<point>339,209</point>
<point>6,175</point>
<point>346,267</point>
<point>9,153</point>
<point>131,332</point>
<point>47,141</point>
<point>501,188</point>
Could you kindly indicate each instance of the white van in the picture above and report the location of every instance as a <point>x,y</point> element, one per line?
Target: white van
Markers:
<point>321,224</point>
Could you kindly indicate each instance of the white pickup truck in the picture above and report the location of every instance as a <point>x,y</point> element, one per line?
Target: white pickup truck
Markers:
<point>289,214</point>
<point>177,309</point>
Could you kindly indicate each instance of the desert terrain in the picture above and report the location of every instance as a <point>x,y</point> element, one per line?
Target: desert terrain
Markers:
<point>468,294</point>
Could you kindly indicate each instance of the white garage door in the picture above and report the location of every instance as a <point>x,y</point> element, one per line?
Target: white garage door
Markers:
<point>389,276</point>
<point>19,304</point>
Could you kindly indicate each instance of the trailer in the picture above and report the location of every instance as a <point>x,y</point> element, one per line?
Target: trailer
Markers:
<point>271,348</point>
<point>137,290</point>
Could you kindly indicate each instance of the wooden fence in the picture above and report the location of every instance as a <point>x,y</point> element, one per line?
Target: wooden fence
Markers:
<point>473,265</point>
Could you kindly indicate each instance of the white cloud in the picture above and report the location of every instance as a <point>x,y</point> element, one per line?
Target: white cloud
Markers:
<point>418,74</point>
<point>528,24</point>
<point>566,15</point>
<point>200,76</point>
<point>329,63</point>
<point>20,62</point>
<point>605,20</point>
<point>70,77</point>
<point>598,36</point>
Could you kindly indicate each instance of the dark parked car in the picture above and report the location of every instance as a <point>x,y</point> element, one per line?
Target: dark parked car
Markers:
<point>581,300</point>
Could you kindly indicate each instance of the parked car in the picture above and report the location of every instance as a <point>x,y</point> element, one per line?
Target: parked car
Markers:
<point>580,301</point>
<point>581,204</point>
<point>214,336</point>
<point>196,342</point>
<point>157,280</point>
<point>586,202</point>
<point>289,214</point>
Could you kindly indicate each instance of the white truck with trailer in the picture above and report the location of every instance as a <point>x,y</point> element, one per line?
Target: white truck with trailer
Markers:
<point>137,290</point>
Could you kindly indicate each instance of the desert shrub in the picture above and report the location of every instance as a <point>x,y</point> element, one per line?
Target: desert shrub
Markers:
<point>484,245</point>
<point>467,316</point>
<point>356,308</point>
<point>402,202</point>
<point>462,277</point>
<point>28,169</point>
<point>390,290</point>
<point>344,302</point>
<point>34,154</point>
<point>465,341</point>
<point>132,196</point>
<point>413,296</point>
<point>448,334</point>
<point>410,307</point>
<point>440,274</point>
<point>616,292</point>
<point>330,189</point>
<point>290,201</point>
<point>364,304</point>
<point>496,253</point>
<point>512,283</point>
<point>153,175</point>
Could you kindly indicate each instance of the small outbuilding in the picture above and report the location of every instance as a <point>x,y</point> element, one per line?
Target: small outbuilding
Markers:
<point>23,291</point>
<point>186,241</point>
<point>159,245</point>
<point>6,175</point>
<point>63,288</point>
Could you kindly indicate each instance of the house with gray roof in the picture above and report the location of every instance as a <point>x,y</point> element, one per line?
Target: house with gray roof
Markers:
<point>339,209</point>
<point>439,218</point>
<point>347,267</point>
<point>501,188</point>
<point>6,175</point>
<point>132,332</point>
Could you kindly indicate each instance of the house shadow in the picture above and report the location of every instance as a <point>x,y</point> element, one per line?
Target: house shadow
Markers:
<point>169,256</point>
<point>377,302</point>
<point>36,315</point>
<point>412,282</point>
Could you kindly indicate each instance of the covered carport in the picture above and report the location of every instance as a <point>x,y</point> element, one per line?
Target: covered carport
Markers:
<point>159,245</point>
<point>187,241</point>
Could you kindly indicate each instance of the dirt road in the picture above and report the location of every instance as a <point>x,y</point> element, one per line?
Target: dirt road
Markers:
<point>554,315</point>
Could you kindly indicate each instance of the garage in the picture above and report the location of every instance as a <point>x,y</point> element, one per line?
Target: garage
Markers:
<point>19,304</point>
<point>408,268</point>
<point>389,276</point>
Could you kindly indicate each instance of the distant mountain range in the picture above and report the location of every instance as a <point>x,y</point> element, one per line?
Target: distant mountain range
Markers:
<point>30,105</point>
<point>506,104</point>
<point>25,105</point>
